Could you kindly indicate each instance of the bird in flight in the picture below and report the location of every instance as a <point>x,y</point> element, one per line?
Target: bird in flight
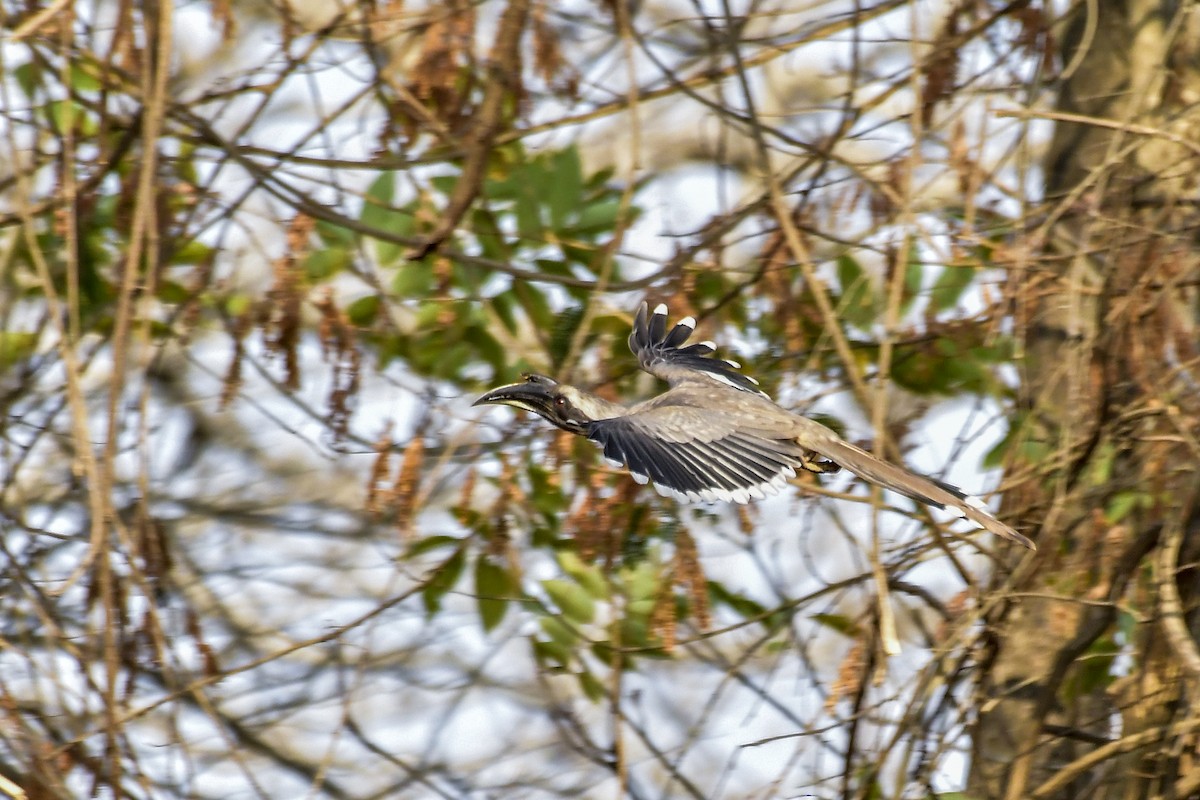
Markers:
<point>714,435</point>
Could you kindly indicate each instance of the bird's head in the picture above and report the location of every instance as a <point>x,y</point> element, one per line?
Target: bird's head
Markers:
<point>557,403</point>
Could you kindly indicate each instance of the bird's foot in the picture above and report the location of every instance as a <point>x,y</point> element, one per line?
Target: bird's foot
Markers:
<point>819,465</point>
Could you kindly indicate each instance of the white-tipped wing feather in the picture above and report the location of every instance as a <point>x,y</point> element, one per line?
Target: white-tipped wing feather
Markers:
<point>720,463</point>
<point>662,353</point>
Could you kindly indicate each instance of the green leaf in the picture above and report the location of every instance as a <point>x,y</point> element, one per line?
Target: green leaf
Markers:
<point>194,252</point>
<point>592,688</point>
<point>324,263</point>
<point>493,590</point>
<point>552,653</point>
<point>535,305</point>
<point>16,346</point>
<point>597,217</point>
<point>572,599</point>
<point>413,280</point>
<point>547,497</point>
<point>642,584</point>
<point>1093,670</point>
<point>427,316</point>
<point>744,606</point>
<point>68,115</point>
<point>1016,431</point>
<point>1122,504</point>
<point>160,330</point>
<point>949,367</point>
<point>444,183</point>
<point>378,213</point>
<point>502,304</point>
<point>583,255</point>
<point>914,277</point>
<point>562,334</point>
<point>738,602</point>
<point>238,304</point>
<point>529,216</point>
<point>335,235</point>
<point>635,632</point>
<point>857,305</point>
<point>380,195</point>
<point>836,424</point>
<point>561,634</point>
<point>431,543</point>
<point>555,266</point>
<point>492,241</point>
<point>185,168</point>
<point>1033,451</point>
<point>84,80</point>
<point>498,188</point>
<point>450,363</point>
<point>840,623</point>
<point>363,311</point>
<point>1101,467</point>
<point>442,581</point>
<point>588,576</point>
<point>918,371</point>
<point>599,180</point>
<point>486,347</point>
<point>566,186</point>
<point>27,75</point>
<point>949,287</point>
<point>172,292</point>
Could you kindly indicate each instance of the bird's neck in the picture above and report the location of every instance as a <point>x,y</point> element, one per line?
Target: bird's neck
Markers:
<point>594,407</point>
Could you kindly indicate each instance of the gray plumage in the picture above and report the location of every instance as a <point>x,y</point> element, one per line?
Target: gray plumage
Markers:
<point>714,435</point>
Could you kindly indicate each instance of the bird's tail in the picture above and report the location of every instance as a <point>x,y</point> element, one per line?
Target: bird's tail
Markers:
<point>925,490</point>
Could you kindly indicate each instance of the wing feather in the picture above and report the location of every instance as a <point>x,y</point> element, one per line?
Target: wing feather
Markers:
<point>716,474</point>
<point>733,467</point>
<point>751,469</point>
<point>661,352</point>
<point>708,474</point>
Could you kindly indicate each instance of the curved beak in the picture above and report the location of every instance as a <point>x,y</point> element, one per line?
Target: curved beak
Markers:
<point>526,395</point>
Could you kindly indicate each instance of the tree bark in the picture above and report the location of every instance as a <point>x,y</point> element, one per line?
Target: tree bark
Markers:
<point>1105,454</point>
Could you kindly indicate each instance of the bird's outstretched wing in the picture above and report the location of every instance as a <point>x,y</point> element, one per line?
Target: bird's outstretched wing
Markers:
<point>695,455</point>
<point>663,355</point>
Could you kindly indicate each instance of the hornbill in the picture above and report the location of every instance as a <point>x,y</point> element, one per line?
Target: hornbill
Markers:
<point>714,435</point>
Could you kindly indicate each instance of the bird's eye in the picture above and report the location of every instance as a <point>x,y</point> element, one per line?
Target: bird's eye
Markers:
<point>561,402</point>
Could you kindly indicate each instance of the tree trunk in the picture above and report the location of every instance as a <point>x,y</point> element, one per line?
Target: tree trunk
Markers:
<point>1105,454</point>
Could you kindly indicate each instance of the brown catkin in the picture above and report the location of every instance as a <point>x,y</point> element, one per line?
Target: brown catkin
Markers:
<point>687,567</point>
<point>404,491</point>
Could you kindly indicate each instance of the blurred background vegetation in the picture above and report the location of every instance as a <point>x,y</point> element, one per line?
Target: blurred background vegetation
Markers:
<point>258,259</point>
